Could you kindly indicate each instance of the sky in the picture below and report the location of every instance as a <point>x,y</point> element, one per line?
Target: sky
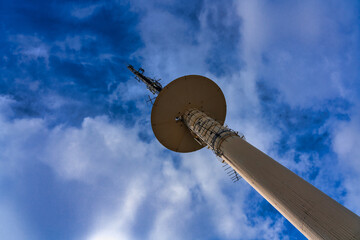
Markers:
<point>78,159</point>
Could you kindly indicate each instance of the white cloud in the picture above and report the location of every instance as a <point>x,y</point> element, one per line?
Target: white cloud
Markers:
<point>12,226</point>
<point>20,140</point>
<point>83,12</point>
<point>295,46</point>
<point>6,103</point>
<point>70,47</point>
<point>30,48</point>
<point>118,223</point>
<point>91,151</point>
<point>346,139</point>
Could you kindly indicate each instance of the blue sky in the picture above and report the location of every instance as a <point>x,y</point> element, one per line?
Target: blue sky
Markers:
<point>78,159</point>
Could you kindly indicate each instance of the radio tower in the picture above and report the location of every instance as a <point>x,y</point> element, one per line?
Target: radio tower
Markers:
<point>188,114</point>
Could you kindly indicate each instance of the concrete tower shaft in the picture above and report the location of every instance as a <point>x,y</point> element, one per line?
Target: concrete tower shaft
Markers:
<point>311,211</point>
<point>189,113</point>
<point>206,130</point>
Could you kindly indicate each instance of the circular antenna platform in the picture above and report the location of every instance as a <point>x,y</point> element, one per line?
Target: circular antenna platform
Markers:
<point>191,91</point>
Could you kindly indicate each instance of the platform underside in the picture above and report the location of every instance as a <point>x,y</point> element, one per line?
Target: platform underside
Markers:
<point>191,91</point>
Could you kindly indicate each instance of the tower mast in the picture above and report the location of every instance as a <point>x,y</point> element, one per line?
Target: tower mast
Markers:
<point>189,114</point>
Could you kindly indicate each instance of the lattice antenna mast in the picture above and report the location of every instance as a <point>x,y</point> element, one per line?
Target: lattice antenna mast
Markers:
<point>153,85</point>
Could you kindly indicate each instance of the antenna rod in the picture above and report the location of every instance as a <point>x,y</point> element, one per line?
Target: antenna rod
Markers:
<point>153,85</point>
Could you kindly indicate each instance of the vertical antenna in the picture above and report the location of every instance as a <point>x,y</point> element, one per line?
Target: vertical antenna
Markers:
<point>153,85</point>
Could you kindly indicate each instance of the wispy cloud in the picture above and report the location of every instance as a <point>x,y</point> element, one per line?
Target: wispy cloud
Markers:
<point>346,136</point>
<point>83,12</point>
